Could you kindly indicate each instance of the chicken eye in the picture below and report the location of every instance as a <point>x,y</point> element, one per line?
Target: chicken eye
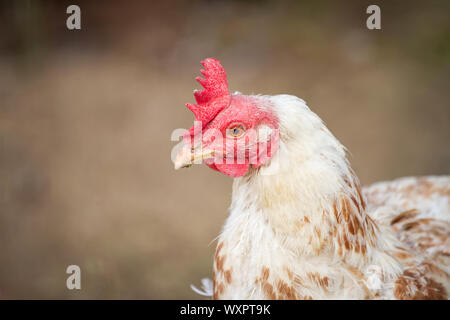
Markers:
<point>236,131</point>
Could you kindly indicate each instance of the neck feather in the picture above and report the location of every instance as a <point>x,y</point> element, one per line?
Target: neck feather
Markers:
<point>308,193</point>
<point>299,217</point>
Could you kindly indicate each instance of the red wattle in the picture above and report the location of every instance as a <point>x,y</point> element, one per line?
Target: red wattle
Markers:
<point>232,170</point>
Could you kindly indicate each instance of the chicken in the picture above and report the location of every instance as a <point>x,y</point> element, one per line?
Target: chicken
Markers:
<point>300,226</point>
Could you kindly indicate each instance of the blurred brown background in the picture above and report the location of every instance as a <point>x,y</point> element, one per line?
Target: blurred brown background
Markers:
<point>86,118</point>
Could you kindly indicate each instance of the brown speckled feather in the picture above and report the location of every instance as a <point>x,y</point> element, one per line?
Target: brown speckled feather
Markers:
<point>417,209</point>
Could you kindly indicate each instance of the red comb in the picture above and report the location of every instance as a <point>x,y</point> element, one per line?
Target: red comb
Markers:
<point>215,97</point>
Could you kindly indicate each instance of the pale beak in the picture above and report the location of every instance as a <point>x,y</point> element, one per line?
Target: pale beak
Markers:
<point>186,156</point>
